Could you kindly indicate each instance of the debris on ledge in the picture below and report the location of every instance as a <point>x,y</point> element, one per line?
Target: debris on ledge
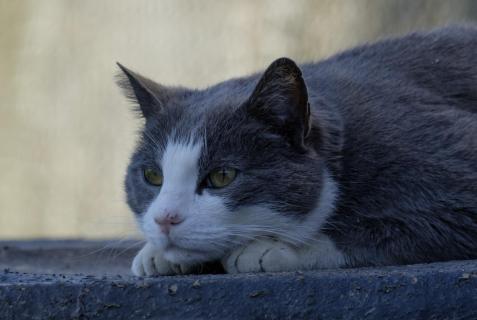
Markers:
<point>426,291</point>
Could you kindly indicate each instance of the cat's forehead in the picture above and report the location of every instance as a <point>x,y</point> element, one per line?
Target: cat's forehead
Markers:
<point>188,117</point>
<point>194,120</point>
<point>226,95</point>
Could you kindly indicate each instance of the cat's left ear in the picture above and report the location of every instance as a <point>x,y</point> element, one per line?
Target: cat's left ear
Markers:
<point>280,101</point>
<point>149,95</point>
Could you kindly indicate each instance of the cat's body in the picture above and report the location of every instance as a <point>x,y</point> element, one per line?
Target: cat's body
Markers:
<point>383,171</point>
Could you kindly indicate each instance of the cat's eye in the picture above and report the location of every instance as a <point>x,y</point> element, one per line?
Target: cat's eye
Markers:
<point>221,177</point>
<point>153,177</point>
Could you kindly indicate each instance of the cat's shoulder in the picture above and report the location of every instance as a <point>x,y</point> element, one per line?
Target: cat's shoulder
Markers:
<point>456,41</point>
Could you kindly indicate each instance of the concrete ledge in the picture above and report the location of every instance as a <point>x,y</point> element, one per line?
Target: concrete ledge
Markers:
<point>433,291</point>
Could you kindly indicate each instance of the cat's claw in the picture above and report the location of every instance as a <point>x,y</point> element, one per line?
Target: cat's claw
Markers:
<point>262,256</point>
<point>150,262</point>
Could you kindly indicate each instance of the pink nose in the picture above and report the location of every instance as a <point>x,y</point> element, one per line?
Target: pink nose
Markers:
<point>165,223</point>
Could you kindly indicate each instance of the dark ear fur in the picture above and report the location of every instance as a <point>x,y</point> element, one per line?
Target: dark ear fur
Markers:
<point>141,90</point>
<point>280,101</point>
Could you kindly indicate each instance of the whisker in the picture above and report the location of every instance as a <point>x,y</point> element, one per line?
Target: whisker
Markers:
<point>128,248</point>
<point>109,247</point>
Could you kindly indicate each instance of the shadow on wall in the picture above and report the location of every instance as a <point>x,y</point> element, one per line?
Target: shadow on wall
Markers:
<point>66,132</point>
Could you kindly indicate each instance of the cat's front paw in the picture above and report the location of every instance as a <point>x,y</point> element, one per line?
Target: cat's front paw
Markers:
<point>262,256</point>
<point>150,262</point>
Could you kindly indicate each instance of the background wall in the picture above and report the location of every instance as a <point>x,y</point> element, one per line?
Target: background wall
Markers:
<point>65,130</point>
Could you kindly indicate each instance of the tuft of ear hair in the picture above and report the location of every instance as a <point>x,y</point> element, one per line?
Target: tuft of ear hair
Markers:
<point>141,90</point>
<point>280,101</point>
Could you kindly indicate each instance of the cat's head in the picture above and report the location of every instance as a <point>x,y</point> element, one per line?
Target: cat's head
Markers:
<point>216,168</point>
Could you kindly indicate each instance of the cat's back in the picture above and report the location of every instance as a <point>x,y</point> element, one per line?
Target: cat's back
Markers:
<point>437,67</point>
<point>418,90</point>
<point>409,109</point>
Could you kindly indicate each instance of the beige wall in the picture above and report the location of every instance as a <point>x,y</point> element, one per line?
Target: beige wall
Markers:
<point>65,131</point>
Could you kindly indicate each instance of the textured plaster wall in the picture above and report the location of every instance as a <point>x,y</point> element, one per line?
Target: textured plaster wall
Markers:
<point>65,131</point>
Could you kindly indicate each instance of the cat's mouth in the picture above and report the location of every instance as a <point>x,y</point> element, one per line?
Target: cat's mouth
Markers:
<point>186,251</point>
<point>175,247</point>
<point>171,246</point>
<point>177,254</point>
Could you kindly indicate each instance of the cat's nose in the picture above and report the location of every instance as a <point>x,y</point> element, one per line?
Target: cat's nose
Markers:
<point>167,221</point>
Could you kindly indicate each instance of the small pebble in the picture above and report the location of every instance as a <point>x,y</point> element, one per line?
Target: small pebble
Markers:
<point>172,290</point>
<point>465,276</point>
<point>257,294</point>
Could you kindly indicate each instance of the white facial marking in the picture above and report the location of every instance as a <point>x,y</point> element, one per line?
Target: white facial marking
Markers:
<point>326,202</point>
<point>180,170</point>
<point>200,236</point>
<point>260,220</point>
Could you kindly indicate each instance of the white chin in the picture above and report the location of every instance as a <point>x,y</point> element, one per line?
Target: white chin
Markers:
<point>159,242</point>
<point>183,256</point>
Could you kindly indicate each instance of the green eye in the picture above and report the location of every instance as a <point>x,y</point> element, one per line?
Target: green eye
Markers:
<point>221,177</point>
<point>153,177</point>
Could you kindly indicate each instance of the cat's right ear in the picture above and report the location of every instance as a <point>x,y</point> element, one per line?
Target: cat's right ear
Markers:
<point>280,101</point>
<point>142,91</point>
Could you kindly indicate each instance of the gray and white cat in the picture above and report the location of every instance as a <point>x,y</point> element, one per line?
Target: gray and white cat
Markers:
<point>366,158</point>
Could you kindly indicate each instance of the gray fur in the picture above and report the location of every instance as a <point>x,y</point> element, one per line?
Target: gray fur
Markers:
<point>395,123</point>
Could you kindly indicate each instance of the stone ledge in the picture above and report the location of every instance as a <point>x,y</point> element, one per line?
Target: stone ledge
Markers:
<point>427,291</point>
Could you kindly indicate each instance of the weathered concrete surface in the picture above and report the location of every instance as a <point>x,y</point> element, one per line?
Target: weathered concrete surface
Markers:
<point>433,291</point>
<point>111,257</point>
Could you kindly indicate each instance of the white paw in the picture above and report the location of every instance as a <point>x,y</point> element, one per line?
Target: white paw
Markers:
<point>150,261</point>
<point>262,256</point>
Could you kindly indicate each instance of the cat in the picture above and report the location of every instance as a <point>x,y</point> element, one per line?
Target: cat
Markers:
<point>368,158</point>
